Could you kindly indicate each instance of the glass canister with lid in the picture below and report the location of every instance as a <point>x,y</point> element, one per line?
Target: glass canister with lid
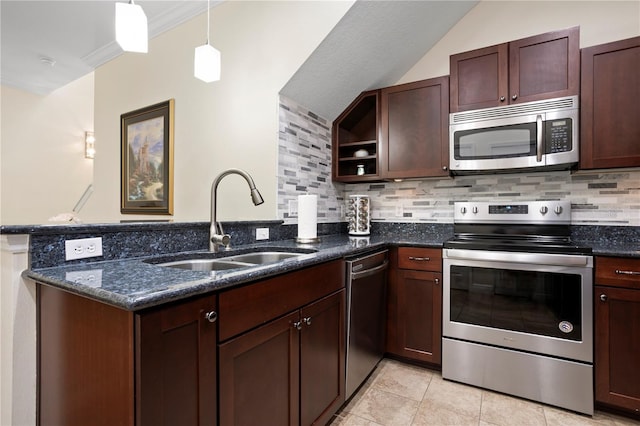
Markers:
<point>359,215</point>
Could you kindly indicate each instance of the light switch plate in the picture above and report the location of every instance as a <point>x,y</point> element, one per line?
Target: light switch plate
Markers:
<point>83,248</point>
<point>293,208</point>
<point>262,233</point>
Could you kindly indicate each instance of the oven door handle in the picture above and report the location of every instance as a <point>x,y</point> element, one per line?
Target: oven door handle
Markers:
<point>515,257</point>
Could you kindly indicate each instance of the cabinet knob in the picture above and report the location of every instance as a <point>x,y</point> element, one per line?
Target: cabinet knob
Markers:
<point>297,325</point>
<point>502,98</point>
<point>307,320</point>
<point>437,281</point>
<point>603,297</point>
<point>514,97</point>
<point>445,168</point>
<point>211,316</point>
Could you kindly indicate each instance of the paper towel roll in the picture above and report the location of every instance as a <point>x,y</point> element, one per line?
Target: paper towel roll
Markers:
<point>307,216</point>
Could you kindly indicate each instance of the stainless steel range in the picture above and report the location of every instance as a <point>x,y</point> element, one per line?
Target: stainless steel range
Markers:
<point>517,313</point>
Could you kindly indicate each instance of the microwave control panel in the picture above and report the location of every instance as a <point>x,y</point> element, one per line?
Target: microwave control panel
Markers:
<point>558,135</point>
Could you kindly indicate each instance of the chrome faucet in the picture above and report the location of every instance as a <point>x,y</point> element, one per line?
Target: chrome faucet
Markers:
<point>217,237</point>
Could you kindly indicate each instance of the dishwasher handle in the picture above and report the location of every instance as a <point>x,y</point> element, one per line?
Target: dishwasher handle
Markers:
<point>368,272</point>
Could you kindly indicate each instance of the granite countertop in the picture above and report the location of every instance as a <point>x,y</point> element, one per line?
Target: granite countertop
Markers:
<point>135,284</point>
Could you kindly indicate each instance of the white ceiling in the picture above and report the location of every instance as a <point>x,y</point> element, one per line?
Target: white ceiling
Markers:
<point>372,46</point>
<point>79,35</point>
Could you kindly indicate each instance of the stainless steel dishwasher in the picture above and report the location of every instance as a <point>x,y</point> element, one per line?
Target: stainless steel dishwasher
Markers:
<point>366,316</point>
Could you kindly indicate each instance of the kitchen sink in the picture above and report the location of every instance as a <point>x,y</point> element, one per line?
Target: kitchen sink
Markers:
<point>237,261</point>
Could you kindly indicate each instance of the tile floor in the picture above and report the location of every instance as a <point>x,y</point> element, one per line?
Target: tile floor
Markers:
<point>398,394</point>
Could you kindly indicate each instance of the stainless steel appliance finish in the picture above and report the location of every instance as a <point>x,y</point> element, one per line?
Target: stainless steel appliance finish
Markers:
<point>366,316</point>
<point>517,303</point>
<point>540,134</point>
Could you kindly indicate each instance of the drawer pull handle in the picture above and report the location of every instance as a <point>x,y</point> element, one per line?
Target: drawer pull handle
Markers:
<point>621,272</point>
<point>420,259</point>
<point>211,316</point>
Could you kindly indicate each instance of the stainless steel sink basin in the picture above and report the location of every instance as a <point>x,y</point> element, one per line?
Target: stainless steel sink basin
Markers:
<point>237,261</point>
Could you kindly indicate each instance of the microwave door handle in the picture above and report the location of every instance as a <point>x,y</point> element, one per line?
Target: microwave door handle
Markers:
<point>539,138</point>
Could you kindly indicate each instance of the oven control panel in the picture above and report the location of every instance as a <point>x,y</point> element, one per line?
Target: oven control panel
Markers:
<point>533,212</point>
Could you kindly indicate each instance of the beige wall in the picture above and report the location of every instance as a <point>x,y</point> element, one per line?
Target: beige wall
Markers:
<point>43,168</point>
<point>493,22</point>
<point>230,123</point>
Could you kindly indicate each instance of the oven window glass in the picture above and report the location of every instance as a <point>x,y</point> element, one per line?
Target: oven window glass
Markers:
<point>495,142</point>
<point>542,303</point>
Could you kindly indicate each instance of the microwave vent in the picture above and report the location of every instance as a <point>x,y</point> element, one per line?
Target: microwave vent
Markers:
<point>536,107</point>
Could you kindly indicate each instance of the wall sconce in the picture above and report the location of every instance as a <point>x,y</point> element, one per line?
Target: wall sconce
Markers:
<point>131,27</point>
<point>89,145</point>
<point>206,63</point>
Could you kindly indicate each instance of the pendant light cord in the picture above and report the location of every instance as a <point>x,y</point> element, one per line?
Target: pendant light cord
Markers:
<point>208,20</point>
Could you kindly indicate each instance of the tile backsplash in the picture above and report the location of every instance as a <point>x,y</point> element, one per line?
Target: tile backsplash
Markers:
<point>304,165</point>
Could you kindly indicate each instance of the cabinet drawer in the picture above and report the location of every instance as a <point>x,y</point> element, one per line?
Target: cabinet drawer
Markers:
<point>618,272</point>
<point>419,258</point>
<point>241,309</point>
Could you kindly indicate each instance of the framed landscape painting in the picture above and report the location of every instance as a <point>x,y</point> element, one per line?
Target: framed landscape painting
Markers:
<point>147,160</point>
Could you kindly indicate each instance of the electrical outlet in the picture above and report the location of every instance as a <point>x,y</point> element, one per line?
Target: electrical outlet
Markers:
<point>399,211</point>
<point>83,248</point>
<point>262,233</point>
<point>293,208</point>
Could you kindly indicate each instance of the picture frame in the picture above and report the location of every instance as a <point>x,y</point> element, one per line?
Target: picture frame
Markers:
<point>147,160</point>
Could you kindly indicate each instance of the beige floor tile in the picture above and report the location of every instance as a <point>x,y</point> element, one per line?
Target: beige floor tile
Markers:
<point>404,380</point>
<point>385,408</point>
<point>560,417</point>
<point>452,397</point>
<point>503,410</point>
<point>434,413</point>
<point>352,420</point>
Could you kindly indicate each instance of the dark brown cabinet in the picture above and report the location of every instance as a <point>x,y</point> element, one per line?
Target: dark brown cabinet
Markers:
<point>98,364</point>
<point>617,331</point>
<point>610,105</point>
<point>540,67</point>
<point>355,140</point>
<point>285,357</point>
<point>415,129</point>
<point>414,326</point>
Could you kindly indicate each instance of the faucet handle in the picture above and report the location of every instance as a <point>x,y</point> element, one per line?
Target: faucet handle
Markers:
<point>221,240</point>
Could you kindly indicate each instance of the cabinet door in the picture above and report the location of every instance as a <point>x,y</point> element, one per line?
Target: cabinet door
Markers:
<point>479,78</point>
<point>544,66</point>
<point>414,136</point>
<point>419,313</point>
<point>176,364</point>
<point>617,347</point>
<point>259,375</point>
<point>610,105</point>
<point>322,359</point>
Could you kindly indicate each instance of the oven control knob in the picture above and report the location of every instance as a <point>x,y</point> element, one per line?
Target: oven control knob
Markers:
<point>544,209</point>
<point>463,210</point>
<point>558,209</point>
<point>475,210</point>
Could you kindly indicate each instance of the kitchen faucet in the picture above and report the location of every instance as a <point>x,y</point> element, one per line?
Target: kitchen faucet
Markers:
<point>217,237</point>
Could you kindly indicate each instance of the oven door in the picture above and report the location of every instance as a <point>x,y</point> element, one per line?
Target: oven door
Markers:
<point>539,303</point>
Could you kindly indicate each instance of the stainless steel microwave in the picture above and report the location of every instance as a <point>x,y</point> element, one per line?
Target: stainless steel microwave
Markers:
<point>526,136</point>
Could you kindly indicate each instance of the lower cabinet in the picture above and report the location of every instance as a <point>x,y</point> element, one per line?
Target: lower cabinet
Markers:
<point>101,365</point>
<point>617,331</point>
<point>414,326</point>
<point>287,372</point>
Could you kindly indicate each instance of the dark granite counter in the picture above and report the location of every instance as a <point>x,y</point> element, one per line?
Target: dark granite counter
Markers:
<point>136,284</point>
<point>125,278</point>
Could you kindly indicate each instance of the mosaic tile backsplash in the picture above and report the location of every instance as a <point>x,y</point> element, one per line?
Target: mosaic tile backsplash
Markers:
<point>597,198</point>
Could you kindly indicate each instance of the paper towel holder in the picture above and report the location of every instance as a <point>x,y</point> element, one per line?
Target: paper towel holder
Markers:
<point>307,240</point>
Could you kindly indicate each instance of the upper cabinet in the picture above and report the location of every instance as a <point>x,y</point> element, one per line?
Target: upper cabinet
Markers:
<point>610,105</point>
<point>540,67</point>
<point>355,140</point>
<point>396,132</point>
<point>414,132</point>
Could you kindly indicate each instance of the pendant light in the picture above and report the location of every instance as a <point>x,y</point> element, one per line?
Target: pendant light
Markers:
<point>206,63</point>
<point>131,27</point>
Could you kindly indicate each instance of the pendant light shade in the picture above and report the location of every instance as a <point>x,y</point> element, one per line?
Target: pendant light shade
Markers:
<point>206,65</point>
<point>131,28</point>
